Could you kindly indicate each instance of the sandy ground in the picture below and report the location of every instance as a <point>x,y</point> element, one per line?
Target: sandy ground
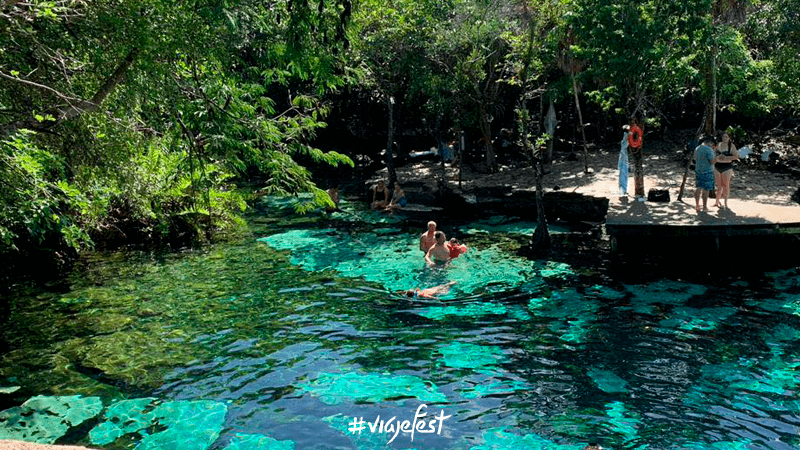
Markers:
<point>663,167</point>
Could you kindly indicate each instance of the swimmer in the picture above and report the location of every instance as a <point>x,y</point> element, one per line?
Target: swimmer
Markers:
<point>455,249</point>
<point>431,292</point>
<point>428,238</point>
<point>438,253</point>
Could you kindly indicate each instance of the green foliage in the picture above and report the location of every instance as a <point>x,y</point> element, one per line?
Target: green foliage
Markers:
<point>36,205</point>
<point>145,110</point>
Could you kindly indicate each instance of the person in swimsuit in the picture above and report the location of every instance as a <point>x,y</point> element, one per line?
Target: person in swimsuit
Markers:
<point>399,199</point>
<point>428,238</point>
<point>438,253</point>
<point>723,168</point>
<point>455,249</point>
<point>431,292</point>
<point>380,190</point>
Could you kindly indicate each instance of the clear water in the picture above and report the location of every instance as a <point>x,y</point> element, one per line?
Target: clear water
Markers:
<point>281,340</point>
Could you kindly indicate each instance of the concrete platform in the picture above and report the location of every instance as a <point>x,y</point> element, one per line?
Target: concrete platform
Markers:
<point>627,217</point>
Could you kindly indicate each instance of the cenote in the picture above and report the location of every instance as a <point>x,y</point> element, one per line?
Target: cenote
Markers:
<point>280,340</point>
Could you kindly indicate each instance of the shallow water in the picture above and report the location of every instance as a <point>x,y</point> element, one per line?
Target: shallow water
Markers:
<point>281,340</point>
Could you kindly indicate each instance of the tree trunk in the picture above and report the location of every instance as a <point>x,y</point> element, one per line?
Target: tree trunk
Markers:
<point>580,119</point>
<point>390,141</point>
<point>638,172</point>
<point>711,95</point>
<point>486,129</point>
<point>541,236</point>
<point>551,124</point>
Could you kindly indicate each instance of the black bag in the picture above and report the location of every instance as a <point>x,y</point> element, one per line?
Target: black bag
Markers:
<point>658,195</point>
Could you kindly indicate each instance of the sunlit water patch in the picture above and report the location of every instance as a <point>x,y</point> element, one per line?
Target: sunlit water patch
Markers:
<point>296,339</point>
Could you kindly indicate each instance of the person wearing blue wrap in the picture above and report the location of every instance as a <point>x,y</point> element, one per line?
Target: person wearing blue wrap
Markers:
<point>704,159</point>
<point>623,165</point>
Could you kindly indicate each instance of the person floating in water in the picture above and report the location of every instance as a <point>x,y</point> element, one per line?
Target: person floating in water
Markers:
<point>438,253</point>
<point>427,239</point>
<point>431,292</point>
<point>455,249</point>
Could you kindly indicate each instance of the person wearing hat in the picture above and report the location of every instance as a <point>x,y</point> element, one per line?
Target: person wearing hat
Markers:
<point>704,158</point>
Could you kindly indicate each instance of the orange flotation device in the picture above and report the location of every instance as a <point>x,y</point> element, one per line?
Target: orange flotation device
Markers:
<point>635,137</point>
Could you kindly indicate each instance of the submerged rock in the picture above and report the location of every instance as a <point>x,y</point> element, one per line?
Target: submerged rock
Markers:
<point>20,445</point>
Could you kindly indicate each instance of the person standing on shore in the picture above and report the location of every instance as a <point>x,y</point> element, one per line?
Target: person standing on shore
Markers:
<point>723,168</point>
<point>635,144</point>
<point>704,158</point>
<point>623,165</point>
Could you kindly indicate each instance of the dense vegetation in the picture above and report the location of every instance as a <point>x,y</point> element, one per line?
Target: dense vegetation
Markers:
<point>130,121</point>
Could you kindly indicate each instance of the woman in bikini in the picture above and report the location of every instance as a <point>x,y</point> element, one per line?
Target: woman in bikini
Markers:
<point>723,168</point>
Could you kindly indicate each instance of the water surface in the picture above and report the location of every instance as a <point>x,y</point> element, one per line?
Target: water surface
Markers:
<point>282,339</point>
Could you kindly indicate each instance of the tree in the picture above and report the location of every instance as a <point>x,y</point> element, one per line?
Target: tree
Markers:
<point>530,49</point>
<point>391,46</point>
<point>471,54</point>
<point>226,86</point>
<point>572,65</point>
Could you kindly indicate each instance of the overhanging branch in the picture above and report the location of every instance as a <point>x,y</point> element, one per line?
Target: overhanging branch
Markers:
<point>75,106</point>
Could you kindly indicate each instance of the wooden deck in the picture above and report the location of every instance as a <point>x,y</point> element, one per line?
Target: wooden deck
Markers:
<point>627,217</point>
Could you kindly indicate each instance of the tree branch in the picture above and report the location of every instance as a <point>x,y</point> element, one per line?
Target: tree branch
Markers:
<point>76,106</point>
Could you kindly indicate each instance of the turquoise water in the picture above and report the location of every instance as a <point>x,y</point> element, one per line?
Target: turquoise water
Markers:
<point>281,340</point>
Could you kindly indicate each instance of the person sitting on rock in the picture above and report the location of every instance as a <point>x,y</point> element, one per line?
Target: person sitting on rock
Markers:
<point>399,199</point>
<point>380,190</point>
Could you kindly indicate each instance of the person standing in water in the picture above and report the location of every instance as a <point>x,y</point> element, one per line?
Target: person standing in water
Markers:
<point>428,238</point>
<point>438,253</point>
